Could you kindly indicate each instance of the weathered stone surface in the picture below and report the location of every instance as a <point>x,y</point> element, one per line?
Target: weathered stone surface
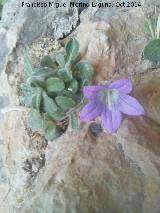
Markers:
<point>147,91</point>
<point>3,101</point>
<point>24,25</point>
<point>22,156</point>
<point>117,173</point>
<point>34,22</point>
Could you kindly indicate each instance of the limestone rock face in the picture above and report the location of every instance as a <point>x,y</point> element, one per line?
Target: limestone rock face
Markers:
<point>108,173</point>
<point>80,172</point>
<point>25,24</point>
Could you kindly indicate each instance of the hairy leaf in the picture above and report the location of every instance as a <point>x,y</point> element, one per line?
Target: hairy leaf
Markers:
<point>49,104</point>
<point>83,83</point>
<point>150,27</point>
<point>65,74</point>
<point>28,69</point>
<point>60,60</point>
<point>25,88</point>
<point>76,60</point>
<point>39,76</point>
<point>67,93</point>
<point>58,115</point>
<point>158,27</point>
<point>55,85</point>
<point>29,94</point>
<point>84,70</point>
<point>36,101</point>
<point>72,50</point>
<point>35,120</point>
<point>65,102</point>
<point>78,97</point>
<point>51,131</point>
<point>74,121</point>
<point>48,62</point>
<point>43,72</point>
<point>73,86</point>
<point>152,50</point>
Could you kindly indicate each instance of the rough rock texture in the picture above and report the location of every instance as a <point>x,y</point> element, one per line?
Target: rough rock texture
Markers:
<point>104,174</point>
<point>24,25</point>
<point>79,172</point>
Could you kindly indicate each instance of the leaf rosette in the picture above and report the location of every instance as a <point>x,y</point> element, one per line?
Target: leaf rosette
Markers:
<point>53,91</point>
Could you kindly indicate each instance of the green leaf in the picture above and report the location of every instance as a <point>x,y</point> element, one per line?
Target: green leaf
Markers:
<point>73,86</point>
<point>48,62</point>
<point>78,97</point>
<point>152,50</point>
<point>58,115</point>
<point>65,74</point>
<point>55,85</point>
<point>60,60</point>
<point>150,27</point>
<point>27,100</point>
<point>43,72</point>
<point>36,101</point>
<point>67,93</point>
<point>38,83</point>
<point>72,50</point>
<point>25,88</point>
<point>83,83</point>
<point>28,69</point>
<point>49,104</point>
<point>29,90</point>
<point>158,27</point>
<point>65,102</point>
<point>29,94</point>
<point>84,70</point>
<point>74,121</point>
<point>35,120</point>
<point>2,2</point>
<point>51,131</point>
<point>76,60</point>
<point>39,76</point>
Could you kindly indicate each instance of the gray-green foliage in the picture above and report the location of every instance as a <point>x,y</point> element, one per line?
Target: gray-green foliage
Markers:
<point>54,91</point>
<point>2,2</point>
<point>152,49</point>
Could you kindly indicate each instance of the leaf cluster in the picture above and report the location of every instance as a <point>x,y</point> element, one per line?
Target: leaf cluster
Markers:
<point>152,49</point>
<point>54,91</point>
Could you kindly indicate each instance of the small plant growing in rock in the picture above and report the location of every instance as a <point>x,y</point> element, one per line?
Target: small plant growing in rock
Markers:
<point>53,92</point>
<point>152,49</point>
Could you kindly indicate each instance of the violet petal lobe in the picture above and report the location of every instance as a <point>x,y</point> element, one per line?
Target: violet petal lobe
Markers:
<point>129,105</point>
<point>111,120</point>
<point>90,92</point>
<point>90,111</point>
<point>123,85</point>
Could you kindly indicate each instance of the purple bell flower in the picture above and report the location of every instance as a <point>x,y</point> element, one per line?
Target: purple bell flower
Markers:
<point>109,102</point>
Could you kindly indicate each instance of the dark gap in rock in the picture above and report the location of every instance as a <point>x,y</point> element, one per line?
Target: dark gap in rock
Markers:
<point>80,9</point>
<point>95,129</point>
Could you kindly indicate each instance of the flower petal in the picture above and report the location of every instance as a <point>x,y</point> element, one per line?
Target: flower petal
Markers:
<point>123,85</point>
<point>90,92</point>
<point>90,111</point>
<point>129,105</point>
<point>111,120</point>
